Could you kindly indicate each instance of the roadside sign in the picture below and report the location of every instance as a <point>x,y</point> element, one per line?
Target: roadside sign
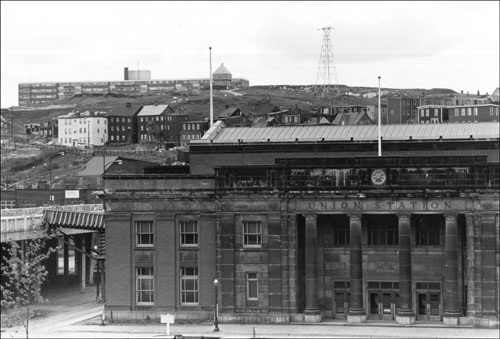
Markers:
<point>167,319</point>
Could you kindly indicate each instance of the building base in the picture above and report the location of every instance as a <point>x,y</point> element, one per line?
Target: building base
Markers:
<point>312,316</point>
<point>406,319</point>
<point>356,318</point>
<point>451,320</point>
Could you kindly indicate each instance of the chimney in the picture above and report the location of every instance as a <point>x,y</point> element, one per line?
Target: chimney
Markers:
<point>125,73</point>
<point>129,104</point>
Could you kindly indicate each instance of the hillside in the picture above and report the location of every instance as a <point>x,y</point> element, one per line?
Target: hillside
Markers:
<point>256,100</point>
<point>25,163</point>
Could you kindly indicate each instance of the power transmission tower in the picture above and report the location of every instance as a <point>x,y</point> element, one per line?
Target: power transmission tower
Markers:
<point>326,66</point>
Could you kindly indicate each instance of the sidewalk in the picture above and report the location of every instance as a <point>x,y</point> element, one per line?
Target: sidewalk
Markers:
<point>71,313</point>
<point>323,330</point>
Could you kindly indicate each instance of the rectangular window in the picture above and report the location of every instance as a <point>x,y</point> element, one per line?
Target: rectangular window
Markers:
<point>252,286</point>
<point>189,285</point>
<point>426,233</point>
<point>383,235</point>
<point>456,112</point>
<point>144,233</point>
<point>144,286</point>
<point>341,235</point>
<point>252,234</point>
<point>189,233</point>
<point>469,111</point>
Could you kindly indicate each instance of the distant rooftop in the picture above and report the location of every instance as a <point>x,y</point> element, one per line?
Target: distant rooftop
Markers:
<point>222,70</point>
<point>221,134</point>
<point>152,110</point>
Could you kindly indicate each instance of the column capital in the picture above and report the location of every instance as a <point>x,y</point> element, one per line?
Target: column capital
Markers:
<point>403,217</point>
<point>311,217</point>
<point>354,217</point>
<point>450,216</point>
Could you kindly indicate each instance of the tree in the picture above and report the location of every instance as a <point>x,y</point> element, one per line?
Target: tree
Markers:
<point>23,273</point>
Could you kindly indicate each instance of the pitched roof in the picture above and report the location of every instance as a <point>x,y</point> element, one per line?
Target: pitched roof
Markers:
<point>220,134</point>
<point>94,166</point>
<point>76,219</point>
<point>228,112</point>
<point>152,110</point>
<point>222,70</point>
<point>123,111</point>
<point>349,118</point>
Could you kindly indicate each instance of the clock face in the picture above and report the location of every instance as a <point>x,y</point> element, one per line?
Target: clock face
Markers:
<point>378,177</point>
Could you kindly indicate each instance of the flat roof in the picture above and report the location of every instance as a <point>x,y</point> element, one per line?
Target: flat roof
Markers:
<point>220,134</point>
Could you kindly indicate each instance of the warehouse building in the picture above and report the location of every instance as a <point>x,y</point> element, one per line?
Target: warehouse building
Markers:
<point>309,223</point>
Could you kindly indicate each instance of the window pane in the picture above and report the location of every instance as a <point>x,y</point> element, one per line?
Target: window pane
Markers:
<point>144,231</point>
<point>252,285</point>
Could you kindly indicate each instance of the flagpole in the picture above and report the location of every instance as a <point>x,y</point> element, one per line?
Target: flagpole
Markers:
<point>211,92</point>
<point>379,125</point>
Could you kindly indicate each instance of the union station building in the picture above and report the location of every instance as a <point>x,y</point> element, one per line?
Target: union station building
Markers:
<point>311,224</point>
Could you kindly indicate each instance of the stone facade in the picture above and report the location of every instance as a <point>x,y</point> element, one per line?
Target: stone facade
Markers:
<point>284,250</point>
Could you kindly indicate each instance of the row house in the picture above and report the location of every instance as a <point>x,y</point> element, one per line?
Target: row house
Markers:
<point>334,110</point>
<point>152,122</point>
<point>192,130</point>
<point>473,113</point>
<point>83,129</point>
<point>234,116</point>
<point>32,129</point>
<point>48,129</point>
<point>402,109</point>
<point>122,121</point>
<point>432,114</point>
<point>291,116</point>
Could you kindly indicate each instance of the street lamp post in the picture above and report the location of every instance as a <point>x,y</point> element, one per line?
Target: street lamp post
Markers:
<point>216,320</point>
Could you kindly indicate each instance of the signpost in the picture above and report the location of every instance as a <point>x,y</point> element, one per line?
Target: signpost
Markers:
<point>167,319</point>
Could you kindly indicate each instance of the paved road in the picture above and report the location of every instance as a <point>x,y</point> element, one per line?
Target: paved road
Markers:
<point>67,316</point>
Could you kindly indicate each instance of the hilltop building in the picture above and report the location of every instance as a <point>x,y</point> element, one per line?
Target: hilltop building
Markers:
<point>222,77</point>
<point>135,83</point>
<point>308,224</point>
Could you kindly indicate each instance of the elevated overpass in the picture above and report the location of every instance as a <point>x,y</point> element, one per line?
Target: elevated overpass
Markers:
<point>80,238</point>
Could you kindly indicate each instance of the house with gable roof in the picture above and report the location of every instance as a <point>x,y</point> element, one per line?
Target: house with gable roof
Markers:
<point>152,122</point>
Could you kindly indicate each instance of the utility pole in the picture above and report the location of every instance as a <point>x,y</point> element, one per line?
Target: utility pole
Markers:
<point>12,127</point>
<point>326,67</point>
<point>211,92</point>
<point>379,123</point>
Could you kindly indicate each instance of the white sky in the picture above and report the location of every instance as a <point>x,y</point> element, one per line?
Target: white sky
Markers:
<point>409,44</point>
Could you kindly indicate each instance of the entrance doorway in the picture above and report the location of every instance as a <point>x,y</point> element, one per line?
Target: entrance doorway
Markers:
<point>382,298</point>
<point>429,301</point>
<point>341,299</point>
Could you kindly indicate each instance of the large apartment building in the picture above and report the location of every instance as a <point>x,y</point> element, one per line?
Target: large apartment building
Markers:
<point>134,83</point>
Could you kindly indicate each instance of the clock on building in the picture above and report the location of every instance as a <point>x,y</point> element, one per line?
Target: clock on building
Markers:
<point>378,177</point>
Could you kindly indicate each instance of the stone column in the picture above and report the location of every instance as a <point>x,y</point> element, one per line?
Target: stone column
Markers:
<point>356,312</point>
<point>405,314</point>
<point>311,312</point>
<point>451,307</point>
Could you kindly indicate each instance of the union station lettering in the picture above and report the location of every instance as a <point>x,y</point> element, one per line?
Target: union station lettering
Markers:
<point>389,205</point>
